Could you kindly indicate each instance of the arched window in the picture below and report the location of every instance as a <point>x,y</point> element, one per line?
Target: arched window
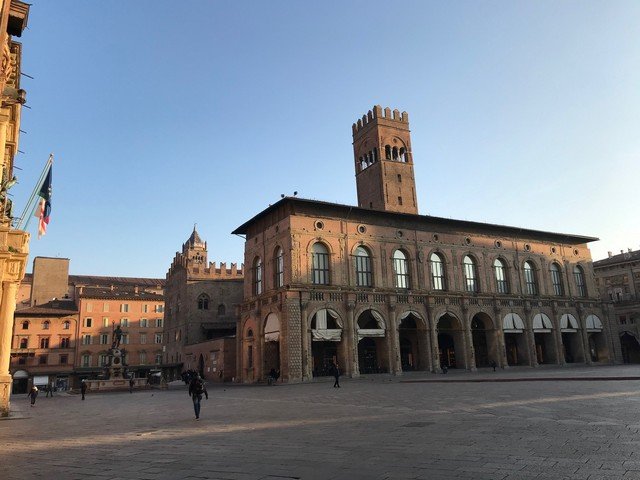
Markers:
<point>500,269</point>
<point>578,275</point>
<point>470,274</point>
<point>25,325</point>
<point>401,269</point>
<point>203,302</point>
<point>46,324</point>
<point>66,325</point>
<point>556,280</point>
<point>364,272</point>
<point>319,264</point>
<point>24,342</point>
<point>221,310</point>
<point>530,285</point>
<point>387,152</point>
<point>257,276</point>
<point>279,268</point>
<point>437,272</point>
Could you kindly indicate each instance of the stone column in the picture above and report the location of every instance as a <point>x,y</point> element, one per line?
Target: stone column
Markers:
<point>499,338</point>
<point>433,341</point>
<point>353,369</point>
<point>350,360</point>
<point>557,334</point>
<point>467,337</point>
<point>586,351</point>
<point>307,344</point>
<point>393,342</point>
<point>8,306</point>
<point>530,337</point>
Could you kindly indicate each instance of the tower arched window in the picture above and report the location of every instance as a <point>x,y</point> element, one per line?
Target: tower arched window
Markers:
<point>394,154</point>
<point>401,270</point>
<point>438,280</point>
<point>556,280</point>
<point>279,268</point>
<point>578,275</point>
<point>364,271</point>
<point>203,302</point>
<point>387,152</point>
<point>530,284</point>
<point>257,276</point>
<point>319,264</point>
<point>403,155</point>
<point>470,274</point>
<point>500,270</point>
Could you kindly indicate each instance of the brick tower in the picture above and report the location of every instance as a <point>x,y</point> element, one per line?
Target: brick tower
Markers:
<point>383,161</point>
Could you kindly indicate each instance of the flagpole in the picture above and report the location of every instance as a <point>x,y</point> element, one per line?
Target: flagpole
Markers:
<point>34,194</point>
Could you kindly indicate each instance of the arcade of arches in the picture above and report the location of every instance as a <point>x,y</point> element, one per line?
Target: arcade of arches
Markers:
<point>408,342</point>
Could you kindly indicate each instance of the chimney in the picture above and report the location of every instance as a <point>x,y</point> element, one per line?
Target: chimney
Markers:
<point>112,288</point>
<point>621,251</point>
<point>629,250</point>
<point>610,253</point>
<point>135,289</point>
<point>80,290</point>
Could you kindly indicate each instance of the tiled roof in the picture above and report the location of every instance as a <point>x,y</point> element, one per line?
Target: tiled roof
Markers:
<point>52,308</point>
<point>296,205</point>
<point>96,280</point>
<point>119,293</point>
<point>623,257</point>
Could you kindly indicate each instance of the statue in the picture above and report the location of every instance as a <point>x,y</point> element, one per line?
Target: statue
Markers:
<point>117,337</point>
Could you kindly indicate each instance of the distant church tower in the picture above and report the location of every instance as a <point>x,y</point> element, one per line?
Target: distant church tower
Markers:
<point>195,250</point>
<point>384,162</point>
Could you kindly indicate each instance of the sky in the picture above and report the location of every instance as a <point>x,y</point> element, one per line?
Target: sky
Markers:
<point>164,114</point>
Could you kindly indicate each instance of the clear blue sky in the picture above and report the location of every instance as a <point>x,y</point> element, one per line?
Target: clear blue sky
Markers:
<point>162,114</point>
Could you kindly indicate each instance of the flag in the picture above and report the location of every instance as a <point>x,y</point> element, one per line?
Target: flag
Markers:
<point>44,209</point>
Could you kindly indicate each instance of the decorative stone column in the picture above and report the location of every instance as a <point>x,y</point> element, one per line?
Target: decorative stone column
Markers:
<point>353,369</point>
<point>557,333</point>
<point>467,337</point>
<point>14,249</point>
<point>499,338</point>
<point>393,342</point>
<point>530,336</point>
<point>433,340</point>
<point>307,343</point>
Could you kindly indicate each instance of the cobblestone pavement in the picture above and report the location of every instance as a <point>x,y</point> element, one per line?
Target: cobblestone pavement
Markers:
<point>378,427</point>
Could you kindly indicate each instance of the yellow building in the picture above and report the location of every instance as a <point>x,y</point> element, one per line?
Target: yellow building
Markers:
<point>14,244</point>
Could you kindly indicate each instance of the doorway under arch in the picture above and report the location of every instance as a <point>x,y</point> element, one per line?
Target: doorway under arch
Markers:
<point>630,348</point>
<point>372,352</point>
<point>484,343</point>
<point>450,342</point>
<point>412,339</point>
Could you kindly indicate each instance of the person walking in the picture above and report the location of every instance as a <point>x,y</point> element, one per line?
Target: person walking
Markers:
<point>33,394</point>
<point>196,390</point>
<point>336,375</point>
<point>83,388</point>
<point>132,382</point>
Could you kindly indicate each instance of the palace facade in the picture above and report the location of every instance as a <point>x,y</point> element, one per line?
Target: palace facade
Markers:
<point>618,278</point>
<point>379,288</point>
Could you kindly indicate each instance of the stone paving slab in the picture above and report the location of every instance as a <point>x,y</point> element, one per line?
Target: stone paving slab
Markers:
<point>377,427</point>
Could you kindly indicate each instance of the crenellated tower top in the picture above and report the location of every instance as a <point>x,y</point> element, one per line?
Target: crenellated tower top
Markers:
<point>384,162</point>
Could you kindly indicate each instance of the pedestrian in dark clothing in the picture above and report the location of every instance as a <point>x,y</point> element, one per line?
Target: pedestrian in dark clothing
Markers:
<point>33,394</point>
<point>132,382</point>
<point>445,368</point>
<point>196,390</point>
<point>336,375</point>
<point>493,365</point>
<point>83,388</point>
<point>48,390</point>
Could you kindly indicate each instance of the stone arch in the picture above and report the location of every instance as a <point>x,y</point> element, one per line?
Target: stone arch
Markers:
<point>544,339</point>
<point>515,340</point>
<point>596,338</point>
<point>412,341</point>
<point>271,347</point>
<point>630,347</point>
<point>571,339</point>
<point>249,352</point>
<point>373,354</point>
<point>451,343</point>
<point>484,338</point>
<point>326,326</point>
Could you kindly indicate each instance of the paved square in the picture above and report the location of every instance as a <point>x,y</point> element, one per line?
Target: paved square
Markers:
<point>378,427</point>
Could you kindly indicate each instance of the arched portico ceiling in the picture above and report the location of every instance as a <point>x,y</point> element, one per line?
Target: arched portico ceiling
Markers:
<point>321,332</point>
<point>20,374</point>
<point>372,332</point>
<point>568,323</point>
<point>593,324</point>
<point>542,323</point>
<point>512,323</point>
<point>272,328</point>
<point>408,313</point>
